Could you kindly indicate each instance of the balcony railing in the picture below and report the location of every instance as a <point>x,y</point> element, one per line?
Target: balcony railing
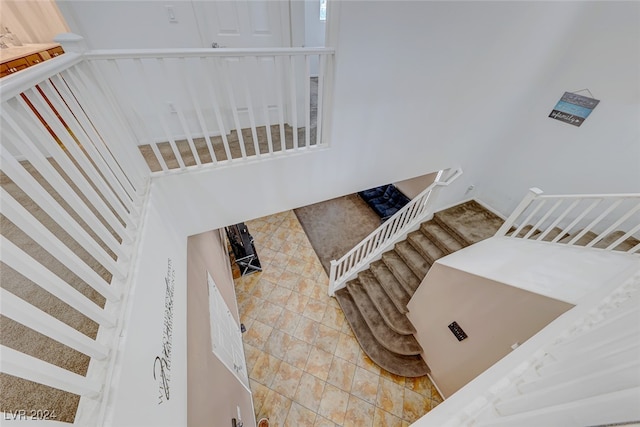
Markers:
<point>82,135</point>
<point>602,221</point>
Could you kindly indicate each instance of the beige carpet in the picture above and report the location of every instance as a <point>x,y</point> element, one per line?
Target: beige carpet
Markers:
<point>335,226</point>
<point>18,394</point>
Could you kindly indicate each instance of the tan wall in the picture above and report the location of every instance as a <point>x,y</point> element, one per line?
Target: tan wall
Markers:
<point>492,314</point>
<point>414,186</point>
<point>214,393</point>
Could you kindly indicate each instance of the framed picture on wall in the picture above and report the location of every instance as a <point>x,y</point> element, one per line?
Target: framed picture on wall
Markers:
<point>573,108</point>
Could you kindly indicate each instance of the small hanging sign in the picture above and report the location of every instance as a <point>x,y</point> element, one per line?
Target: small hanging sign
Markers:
<point>573,108</point>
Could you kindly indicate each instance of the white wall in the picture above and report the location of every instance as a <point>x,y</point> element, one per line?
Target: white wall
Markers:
<point>425,85</point>
<point>135,396</point>
<point>109,24</point>
<point>314,29</point>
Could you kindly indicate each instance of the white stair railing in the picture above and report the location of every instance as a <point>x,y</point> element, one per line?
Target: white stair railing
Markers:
<point>74,186</point>
<point>602,221</point>
<point>420,209</point>
<point>190,107</point>
<point>72,196</point>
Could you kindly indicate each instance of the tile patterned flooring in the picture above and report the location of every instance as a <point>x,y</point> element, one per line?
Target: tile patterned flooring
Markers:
<point>305,366</point>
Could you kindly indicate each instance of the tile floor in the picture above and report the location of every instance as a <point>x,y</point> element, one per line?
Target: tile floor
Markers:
<point>305,366</point>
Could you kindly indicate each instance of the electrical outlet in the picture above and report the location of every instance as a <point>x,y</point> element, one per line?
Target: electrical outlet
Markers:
<point>470,189</point>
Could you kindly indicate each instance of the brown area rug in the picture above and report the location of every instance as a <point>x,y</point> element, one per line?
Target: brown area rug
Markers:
<point>335,226</point>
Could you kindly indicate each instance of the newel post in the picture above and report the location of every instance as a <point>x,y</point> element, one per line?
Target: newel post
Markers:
<point>332,277</point>
<point>71,42</point>
<point>533,194</point>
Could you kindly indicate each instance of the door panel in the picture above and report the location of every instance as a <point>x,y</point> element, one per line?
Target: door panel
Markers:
<point>244,23</point>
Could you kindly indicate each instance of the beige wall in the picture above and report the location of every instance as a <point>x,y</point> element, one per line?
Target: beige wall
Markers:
<point>492,314</point>
<point>414,186</point>
<point>214,393</point>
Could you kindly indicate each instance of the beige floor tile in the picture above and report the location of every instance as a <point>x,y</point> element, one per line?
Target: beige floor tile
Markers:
<point>384,419</point>
<point>321,293</point>
<point>415,405</point>
<point>365,362</point>
<point>288,321</point>
<point>286,380</point>
<point>323,422</point>
<point>246,283</point>
<point>250,307</point>
<point>259,393</point>
<point>289,280</point>
<point>289,248</point>
<point>265,255</point>
<point>348,348</point>
<point>265,369</point>
<point>392,377</point>
<point>341,373</point>
<point>309,391</point>
<point>262,289</point>
<point>299,416</point>
<point>300,345</point>
<point>276,408</point>
<point>421,385</point>
<point>273,273</point>
<point>251,355</point>
<point>359,413</point>
<point>278,259</point>
<point>333,317</point>
<point>295,265</point>
<point>297,302</point>
<point>279,296</point>
<point>274,243</point>
<point>319,363</point>
<point>327,338</point>
<point>277,344</point>
<point>297,353</point>
<point>390,397</point>
<point>365,385</point>
<point>268,313</point>
<point>333,405</point>
<point>305,286</point>
<point>315,310</point>
<point>346,329</point>
<point>307,330</point>
<point>257,334</point>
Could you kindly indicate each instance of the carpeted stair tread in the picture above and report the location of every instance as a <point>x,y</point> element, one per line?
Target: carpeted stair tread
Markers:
<point>441,237</point>
<point>612,237</point>
<point>389,283</point>
<point>387,337</point>
<point>582,241</point>
<point>382,304</point>
<point>470,222</point>
<point>627,244</point>
<point>401,271</point>
<point>405,366</point>
<point>426,247</point>
<point>555,231</point>
<point>414,260</point>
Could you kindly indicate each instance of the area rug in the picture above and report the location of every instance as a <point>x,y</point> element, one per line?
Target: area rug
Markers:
<point>335,226</point>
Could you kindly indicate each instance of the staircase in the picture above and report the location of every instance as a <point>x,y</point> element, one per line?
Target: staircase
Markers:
<point>375,303</point>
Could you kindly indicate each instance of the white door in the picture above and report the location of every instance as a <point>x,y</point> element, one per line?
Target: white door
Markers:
<point>244,23</point>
